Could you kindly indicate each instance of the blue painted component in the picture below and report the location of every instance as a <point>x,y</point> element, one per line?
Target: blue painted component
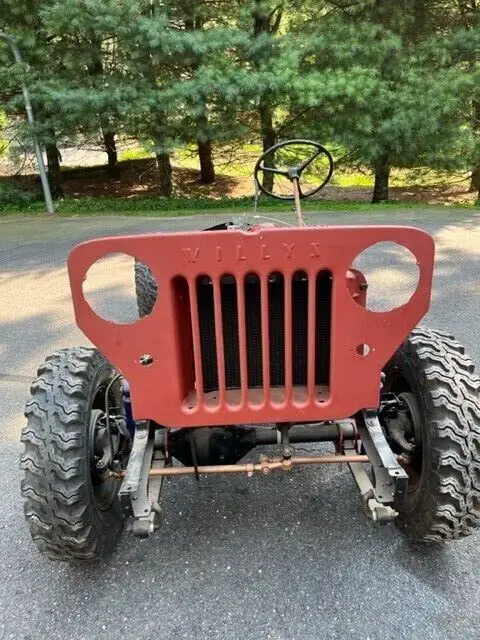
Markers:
<point>127,403</point>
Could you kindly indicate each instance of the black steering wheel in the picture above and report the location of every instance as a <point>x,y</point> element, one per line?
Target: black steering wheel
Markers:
<point>294,173</point>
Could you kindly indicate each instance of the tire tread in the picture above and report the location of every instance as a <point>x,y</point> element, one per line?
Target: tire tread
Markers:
<point>64,521</point>
<point>451,392</point>
<point>145,288</point>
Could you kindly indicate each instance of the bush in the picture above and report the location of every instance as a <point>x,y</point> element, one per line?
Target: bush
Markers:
<point>11,193</point>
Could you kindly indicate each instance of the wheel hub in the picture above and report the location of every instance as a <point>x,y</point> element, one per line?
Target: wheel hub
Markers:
<point>103,448</point>
<point>413,413</point>
<point>412,459</point>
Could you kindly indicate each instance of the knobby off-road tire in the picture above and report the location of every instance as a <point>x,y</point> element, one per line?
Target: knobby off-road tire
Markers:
<point>68,520</point>
<point>145,288</point>
<point>445,502</point>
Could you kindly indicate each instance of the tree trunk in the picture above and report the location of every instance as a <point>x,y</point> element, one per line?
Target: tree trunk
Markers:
<point>266,21</point>
<point>54,172</point>
<point>95,69</point>
<point>207,169</point>
<point>475,177</point>
<point>164,174</point>
<point>419,27</point>
<point>268,140</point>
<point>382,176</point>
<point>113,169</point>
<point>475,181</point>
<point>204,146</point>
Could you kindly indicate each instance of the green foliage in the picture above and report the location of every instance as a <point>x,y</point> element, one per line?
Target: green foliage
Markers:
<point>392,83</point>
<point>13,194</point>
<point>387,86</point>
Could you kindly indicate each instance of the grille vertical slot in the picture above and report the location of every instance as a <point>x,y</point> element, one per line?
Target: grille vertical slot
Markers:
<point>206,326</point>
<point>253,321</point>
<point>299,313</point>
<point>231,348</point>
<point>323,303</point>
<point>184,333</point>
<point>276,328</point>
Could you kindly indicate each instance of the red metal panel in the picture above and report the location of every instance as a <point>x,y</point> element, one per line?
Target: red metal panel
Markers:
<point>219,340</point>
<point>197,352</point>
<point>265,339</point>
<point>158,390</point>
<point>312,281</point>
<point>242,340</point>
<point>288,336</point>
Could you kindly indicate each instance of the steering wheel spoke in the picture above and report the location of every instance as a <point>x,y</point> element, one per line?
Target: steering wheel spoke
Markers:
<point>273,170</point>
<point>308,162</point>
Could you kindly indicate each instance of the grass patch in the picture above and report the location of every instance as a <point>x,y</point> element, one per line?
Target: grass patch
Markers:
<point>134,154</point>
<point>168,207</point>
<point>135,191</point>
<point>239,163</point>
<point>351,179</point>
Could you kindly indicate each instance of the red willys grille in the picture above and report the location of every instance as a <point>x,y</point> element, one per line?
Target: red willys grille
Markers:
<point>257,340</point>
<point>253,326</point>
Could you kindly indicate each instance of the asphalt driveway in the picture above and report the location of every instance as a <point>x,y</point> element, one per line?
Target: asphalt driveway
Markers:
<point>282,558</point>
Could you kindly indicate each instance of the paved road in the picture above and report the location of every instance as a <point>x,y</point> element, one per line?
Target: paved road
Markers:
<point>283,558</point>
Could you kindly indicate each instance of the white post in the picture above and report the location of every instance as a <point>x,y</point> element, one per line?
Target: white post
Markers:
<point>28,107</point>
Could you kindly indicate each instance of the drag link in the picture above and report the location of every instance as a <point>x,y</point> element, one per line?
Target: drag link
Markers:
<point>264,466</point>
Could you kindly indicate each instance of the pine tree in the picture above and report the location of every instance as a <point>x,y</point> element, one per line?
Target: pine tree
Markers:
<point>382,82</point>
<point>393,84</point>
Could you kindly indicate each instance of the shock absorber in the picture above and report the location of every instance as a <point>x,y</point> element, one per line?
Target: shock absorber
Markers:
<point>127,404</point>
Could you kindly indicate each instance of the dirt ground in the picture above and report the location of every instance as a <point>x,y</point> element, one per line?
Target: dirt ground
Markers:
<point>137,178</point>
